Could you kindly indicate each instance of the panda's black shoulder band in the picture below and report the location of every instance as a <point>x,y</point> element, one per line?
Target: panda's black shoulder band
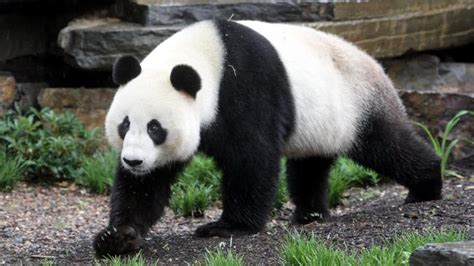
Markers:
<point>185,78</point>
<point>125,69</point>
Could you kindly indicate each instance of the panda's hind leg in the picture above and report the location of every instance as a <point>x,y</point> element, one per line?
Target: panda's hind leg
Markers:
<point>394,150</point>
<point>308,188</point>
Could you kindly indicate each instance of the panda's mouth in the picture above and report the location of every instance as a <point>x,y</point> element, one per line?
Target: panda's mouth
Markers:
<point>139,172</point>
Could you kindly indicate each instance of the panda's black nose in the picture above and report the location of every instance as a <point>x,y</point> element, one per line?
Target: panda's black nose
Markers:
<point>132,163</point>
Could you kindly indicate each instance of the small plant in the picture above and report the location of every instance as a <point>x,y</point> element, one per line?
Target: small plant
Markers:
<point>135,260</point>
<point>52,143</point>
<point>190,199</point>
<point>197,187</point>
<point>11,171</point>
<point>345,174</point>
<point>97,172</point>
<point>443,146</point>
<point>218,257</point>
<point>300,249</point>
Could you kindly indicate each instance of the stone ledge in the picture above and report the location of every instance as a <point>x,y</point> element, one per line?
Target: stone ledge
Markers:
<point>394,36</point>
<point>95,44</point>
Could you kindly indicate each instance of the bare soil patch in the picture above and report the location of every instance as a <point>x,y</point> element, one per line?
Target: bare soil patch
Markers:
<point>59,222</point>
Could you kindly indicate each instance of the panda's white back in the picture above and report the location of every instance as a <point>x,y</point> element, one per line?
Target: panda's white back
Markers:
<point>330,80</point>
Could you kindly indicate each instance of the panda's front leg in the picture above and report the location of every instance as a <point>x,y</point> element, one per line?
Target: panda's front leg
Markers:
<point>137,202</point>
<point>248,191</point>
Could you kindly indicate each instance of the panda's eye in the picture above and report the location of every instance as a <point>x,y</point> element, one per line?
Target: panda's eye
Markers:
<point>123,127</point>
<point>156,132</point>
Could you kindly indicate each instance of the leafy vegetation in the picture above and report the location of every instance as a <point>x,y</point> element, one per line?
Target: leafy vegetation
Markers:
<point>53,144</point>
<point>443,146</point>
<point>300,249</point>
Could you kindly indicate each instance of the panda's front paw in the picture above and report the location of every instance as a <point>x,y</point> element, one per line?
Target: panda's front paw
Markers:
<point>117,240</point>
<point>223,229</point>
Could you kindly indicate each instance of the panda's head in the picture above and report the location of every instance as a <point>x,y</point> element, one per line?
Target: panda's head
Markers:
<point>153,118</point>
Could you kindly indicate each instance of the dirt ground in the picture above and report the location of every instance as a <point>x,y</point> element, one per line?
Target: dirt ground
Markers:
<point>58,223</point>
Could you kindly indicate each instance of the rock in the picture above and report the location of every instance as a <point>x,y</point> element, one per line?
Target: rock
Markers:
<point>7,91</point>
<point>97,43</point>
<point>445,254</point>
<point>185,12</point>
<point>90,105</point>
<point>426,73</point>
<point>393,36</point>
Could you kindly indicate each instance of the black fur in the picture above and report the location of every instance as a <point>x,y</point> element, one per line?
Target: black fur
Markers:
<point>123,127</point>
<point>394,150</point>
<point>308,188</point>
<point>125,69</point>
<point>136,204</point>
<point>156,132</point>
<point>185,78</point>
<point>256,116</point>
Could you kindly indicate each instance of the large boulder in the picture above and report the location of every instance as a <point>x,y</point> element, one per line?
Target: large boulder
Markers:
<point>444,254</point>
<point>90,105</point>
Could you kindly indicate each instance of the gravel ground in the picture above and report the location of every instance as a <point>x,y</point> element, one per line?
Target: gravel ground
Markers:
<point>58,222</point>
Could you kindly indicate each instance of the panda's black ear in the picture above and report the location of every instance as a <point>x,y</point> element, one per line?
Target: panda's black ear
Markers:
<point>185,78</point>
<point>125,69</point>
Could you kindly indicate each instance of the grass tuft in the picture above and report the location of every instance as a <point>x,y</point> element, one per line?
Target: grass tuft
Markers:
<point>11,171</point>
<point>300,249</point>
<point>442,146</point>
<point>218,257</point>
<point>345,174</point>
<point>97,171</point>
<point>135,260</point>
<point>197,187</point>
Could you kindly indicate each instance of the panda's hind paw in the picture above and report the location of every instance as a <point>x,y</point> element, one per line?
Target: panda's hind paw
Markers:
<point>222,229</point>
<point>305,216</point>
<point>117,240</point>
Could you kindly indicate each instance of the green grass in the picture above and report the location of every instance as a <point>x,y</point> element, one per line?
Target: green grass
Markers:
<point>442,146</point>
<point>97,172</point>
<point>300,249</point>
<point>218,257</point>
<point>197,187</point>
<point>345,174</point>
<point>135,260</point>
<point>281,196</point>
<point>12,171</point>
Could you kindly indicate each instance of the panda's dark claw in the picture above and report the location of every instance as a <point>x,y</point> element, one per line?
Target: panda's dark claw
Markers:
<point>115,241</point>
<point>222,229</point>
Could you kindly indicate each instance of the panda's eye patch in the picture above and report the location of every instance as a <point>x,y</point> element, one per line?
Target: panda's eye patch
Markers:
<point>156,132</point>
<point>123,127</point>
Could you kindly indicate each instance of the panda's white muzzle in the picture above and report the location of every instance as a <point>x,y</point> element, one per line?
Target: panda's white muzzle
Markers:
<point>138,152</point>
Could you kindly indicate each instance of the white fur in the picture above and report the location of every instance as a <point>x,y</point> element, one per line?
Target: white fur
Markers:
<point>330,81</point>
<point>151,96</point>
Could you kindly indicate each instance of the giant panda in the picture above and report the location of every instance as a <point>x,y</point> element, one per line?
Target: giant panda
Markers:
<point>247,93</point>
